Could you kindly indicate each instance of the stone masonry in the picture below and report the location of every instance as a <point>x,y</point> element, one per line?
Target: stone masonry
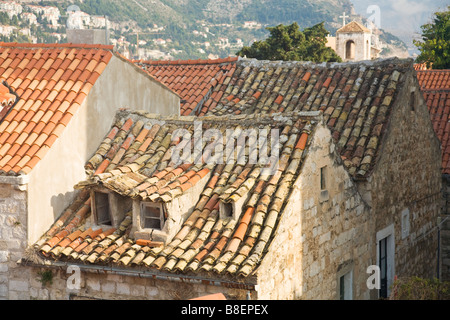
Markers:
<point>323,231</point>
<point>13,229</point>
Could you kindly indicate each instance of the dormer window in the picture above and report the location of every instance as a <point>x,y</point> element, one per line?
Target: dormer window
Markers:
<point>152,216</point>
<point>102,208</point>
<point>109,208</point>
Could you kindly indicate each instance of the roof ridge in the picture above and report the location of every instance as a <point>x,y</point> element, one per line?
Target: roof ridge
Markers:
<point>188,61</point>
<point>294,63</point>
<point>242,118</point>
<point>56,45</point>
<point>433,70</point>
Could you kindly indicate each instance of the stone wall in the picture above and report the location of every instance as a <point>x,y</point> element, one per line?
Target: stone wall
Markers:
<point>13,235</point>
<point>407,180</point>
<point>445,231</point>
<point>110,286</point>
<point>320,233</point>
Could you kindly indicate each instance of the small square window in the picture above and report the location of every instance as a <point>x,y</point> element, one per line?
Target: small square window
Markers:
<point>152,216</point>
<point>102,208</point>
<point>323,178</point>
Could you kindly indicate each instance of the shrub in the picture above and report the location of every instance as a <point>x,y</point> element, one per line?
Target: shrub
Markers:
<point>415,288</point>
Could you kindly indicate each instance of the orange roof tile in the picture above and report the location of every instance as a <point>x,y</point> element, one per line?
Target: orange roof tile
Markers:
<point>438,102</point>
<point>434,79</point>
<point>193,80</point>
<point>435,85</point>
<point>46,77</point>
<point>158,180</point>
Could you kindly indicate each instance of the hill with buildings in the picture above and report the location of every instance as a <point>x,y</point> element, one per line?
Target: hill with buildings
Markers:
<point>174,29</point>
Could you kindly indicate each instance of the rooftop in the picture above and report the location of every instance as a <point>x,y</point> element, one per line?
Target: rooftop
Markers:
<point>355,99</point>
<point>352,27</point>
<point>51,81</point>
<point>139,164</point>
<point>194,80</point>
<point>435,85</point>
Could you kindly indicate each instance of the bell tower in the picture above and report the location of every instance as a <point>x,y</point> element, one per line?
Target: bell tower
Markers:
<point>353,41</point>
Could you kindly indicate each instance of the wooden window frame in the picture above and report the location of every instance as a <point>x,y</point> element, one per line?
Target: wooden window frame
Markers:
<point>143,217</point>
<point>99,216</point>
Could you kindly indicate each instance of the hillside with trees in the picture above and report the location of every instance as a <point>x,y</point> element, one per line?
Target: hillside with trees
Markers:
<point>193,29</point>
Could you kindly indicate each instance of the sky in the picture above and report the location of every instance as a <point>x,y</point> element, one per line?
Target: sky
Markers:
<point>402,18</point>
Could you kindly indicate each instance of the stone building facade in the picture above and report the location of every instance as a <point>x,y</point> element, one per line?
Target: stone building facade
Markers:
<point>435,88</point>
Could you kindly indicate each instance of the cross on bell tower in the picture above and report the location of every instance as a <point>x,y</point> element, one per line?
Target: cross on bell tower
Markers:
<point>343,18</point>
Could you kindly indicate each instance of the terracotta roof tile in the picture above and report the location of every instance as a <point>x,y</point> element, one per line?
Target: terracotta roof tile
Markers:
<point>434,79</point>
<point>46,79</point>
<point>349,95</point>
<point>435,85</point>
<point>438,102</point>
<point>206,241</point>
<point>193,80</point>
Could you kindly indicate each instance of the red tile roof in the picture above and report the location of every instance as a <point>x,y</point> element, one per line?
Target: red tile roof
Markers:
<point>194,80</point>
<point>52,81</point>
<point>355,99</point>
<point>207,241</point>
<point>435,85</point>
<point>439,106</point>
<point>214,296</point>
<point>434,79</point>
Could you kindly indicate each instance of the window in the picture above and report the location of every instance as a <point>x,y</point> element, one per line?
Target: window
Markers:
<point>152,216</point>
<point>405,223</point>
<point>102,208</point>
<point>227,210</point>
<point>412,100</point>
<point>345,287</point>
<point>350,50</point>
<point>383,267</point>
<point>367,50</point>
<point>323,178</point>
<point>386,259</point>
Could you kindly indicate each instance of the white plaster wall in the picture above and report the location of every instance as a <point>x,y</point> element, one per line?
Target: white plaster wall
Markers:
<point>360,39</point>
<point>122,84</point>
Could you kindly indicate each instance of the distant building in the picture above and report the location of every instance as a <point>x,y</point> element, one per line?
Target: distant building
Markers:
<point>29,17</point>
<point>12,8</point>
<point>355,42</point>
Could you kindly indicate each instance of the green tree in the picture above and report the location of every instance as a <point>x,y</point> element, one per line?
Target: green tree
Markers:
<point>435,47</point>
<point>289,43</point>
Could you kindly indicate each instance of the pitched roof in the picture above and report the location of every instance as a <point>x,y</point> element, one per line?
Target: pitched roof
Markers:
<point>193,80</point>
<point>434,79</point>
<point>435,86</point>
<point>138,150</point>
<point>355,99</point>
<point>352,27</point>
<point>51,81</point>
